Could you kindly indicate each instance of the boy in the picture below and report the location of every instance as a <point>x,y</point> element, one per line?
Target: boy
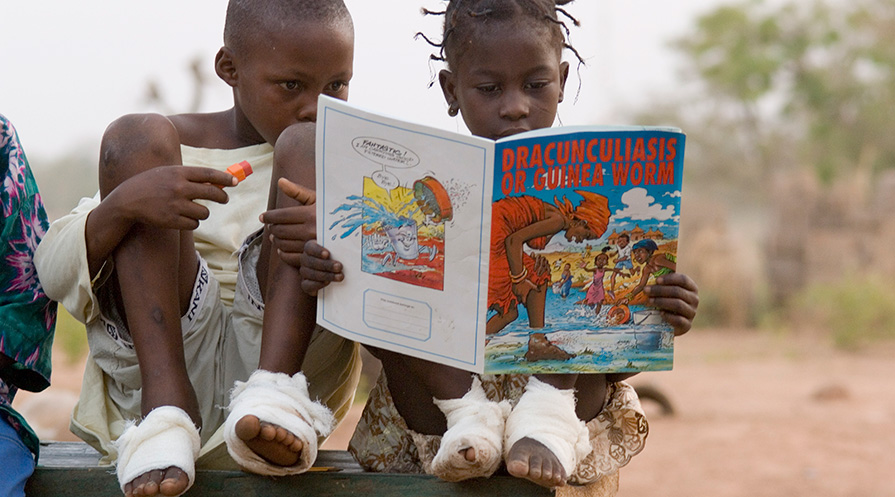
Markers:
<point>178,310</point>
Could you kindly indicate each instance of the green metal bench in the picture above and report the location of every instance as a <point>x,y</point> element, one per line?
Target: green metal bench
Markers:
<point>70,469</point>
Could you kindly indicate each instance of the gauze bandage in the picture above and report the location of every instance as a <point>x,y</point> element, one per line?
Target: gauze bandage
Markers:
<point>473,422</point>
<point>282,400</point>
<point>547,415</point>
<point>166,437</point>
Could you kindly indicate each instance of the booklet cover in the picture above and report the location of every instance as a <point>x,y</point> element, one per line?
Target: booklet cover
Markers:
<point>524,255</point>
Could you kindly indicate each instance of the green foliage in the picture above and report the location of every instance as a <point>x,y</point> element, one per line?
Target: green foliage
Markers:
<point>822,74</point>
<point>71,337</point>
<point>855,313</point>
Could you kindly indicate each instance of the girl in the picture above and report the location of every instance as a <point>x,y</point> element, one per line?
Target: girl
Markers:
<point>655,265</point>
<point>596,294</point>
<point>505,75</point>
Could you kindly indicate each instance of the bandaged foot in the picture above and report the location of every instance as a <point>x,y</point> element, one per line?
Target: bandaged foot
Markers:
<point>472,445</point>
<point>157,456</point>
<point>545,440</point>
<point>273,425</point>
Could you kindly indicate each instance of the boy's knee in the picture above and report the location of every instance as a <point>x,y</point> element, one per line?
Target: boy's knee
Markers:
<point>296,144</point>
<point>131,141</point>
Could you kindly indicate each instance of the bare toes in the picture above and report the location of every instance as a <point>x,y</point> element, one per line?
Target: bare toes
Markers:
<point>174,483</point>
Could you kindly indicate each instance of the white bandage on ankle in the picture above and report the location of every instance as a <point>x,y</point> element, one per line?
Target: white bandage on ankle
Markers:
<point>166,437</point>
<point>474,422</point>
<point>547,415</point>
<point>282,400</point>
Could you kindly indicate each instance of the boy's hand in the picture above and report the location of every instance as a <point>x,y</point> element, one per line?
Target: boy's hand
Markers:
<point>292,227</point>
<point>678,297</point>
<point>318,269</point>
<point>164,197</point>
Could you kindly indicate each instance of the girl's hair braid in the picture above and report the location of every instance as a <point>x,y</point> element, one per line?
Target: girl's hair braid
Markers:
<point>460,16</point>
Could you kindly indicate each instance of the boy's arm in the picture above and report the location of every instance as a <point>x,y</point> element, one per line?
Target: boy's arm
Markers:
<point>294,233</point>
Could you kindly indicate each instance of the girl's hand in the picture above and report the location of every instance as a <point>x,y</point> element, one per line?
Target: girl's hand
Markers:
<point>678,297</point>
<point>317,268</point>
<point>290,228</point>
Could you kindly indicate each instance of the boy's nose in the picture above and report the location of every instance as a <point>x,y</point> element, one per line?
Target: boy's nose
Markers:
<point>307,112</point>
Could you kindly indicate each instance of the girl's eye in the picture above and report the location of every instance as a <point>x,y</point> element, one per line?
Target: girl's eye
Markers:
<point>337,86</point>
<point>487,89</point>
<point>537,85</point>
<point>290,85</point>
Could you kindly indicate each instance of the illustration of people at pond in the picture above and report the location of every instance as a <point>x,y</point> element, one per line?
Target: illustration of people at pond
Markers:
<point>402,229</point>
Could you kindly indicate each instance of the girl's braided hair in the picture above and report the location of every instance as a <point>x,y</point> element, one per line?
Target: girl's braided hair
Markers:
<point>461,17</point>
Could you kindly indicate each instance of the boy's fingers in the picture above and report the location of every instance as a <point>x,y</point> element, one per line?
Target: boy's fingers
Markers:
<point>290,258</point>
<point>318,275</point>
<point>208,175</point>
<point>294,215</point>
<point>304,195</point>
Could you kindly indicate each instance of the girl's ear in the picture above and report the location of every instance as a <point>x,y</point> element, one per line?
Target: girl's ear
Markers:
<point>225,67</point>
<point>563,76</point>
<point>448,88</point>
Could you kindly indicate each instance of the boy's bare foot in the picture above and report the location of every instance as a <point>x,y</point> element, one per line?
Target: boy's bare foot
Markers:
<point>273,443</point>
<point>168,482</point>
<point>533,461</point>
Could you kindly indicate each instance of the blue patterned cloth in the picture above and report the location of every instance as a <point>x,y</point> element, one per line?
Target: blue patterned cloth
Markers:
<point>27,316</point>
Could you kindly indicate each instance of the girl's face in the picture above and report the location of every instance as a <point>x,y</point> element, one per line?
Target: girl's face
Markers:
<point>506,80</point>
<point>601,260</point>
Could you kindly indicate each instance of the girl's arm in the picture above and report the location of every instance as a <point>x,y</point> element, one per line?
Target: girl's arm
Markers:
<point>553,223</point>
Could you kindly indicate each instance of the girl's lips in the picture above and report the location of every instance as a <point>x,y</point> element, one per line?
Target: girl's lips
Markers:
<point>511,131</point>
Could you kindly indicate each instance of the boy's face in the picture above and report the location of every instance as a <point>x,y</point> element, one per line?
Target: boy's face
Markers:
<point>278,76</point>
<point>510,79</point>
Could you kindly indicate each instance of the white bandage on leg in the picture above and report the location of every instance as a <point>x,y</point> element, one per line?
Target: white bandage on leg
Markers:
<point>474,422</point>
<point>547,415</point>
<point>166,437</point>
<point>282,400</point>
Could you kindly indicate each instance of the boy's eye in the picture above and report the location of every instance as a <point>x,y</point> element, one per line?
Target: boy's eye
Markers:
<point>291,85</point>
<point>537,85</point>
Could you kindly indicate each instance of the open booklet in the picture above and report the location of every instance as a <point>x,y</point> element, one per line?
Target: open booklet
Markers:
<point>524,255</point>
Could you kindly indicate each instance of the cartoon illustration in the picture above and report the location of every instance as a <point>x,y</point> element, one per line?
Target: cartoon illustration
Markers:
<point>402,228</point>
<point>596,294</point>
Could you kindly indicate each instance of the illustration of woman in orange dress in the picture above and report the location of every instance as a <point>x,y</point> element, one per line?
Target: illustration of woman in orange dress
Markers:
<point>516,277</point>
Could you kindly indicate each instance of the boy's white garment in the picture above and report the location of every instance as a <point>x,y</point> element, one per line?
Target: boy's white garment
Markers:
<point>166,437</point>
<point>282,400</point>
<point>221,330</point>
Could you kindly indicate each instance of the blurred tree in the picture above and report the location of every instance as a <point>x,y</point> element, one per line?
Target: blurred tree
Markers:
<point>815,77</point>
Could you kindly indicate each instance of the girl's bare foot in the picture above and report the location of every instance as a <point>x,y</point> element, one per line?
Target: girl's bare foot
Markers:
<point>169,482</point>
<point>273,443</point>
<point>533,461</point>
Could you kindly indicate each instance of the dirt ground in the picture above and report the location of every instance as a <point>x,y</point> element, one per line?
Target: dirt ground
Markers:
<point>755,415</point>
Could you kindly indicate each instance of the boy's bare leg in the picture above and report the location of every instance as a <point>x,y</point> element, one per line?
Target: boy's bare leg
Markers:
<point>153,297</point>
<point>533,461</point>
<point>289,313</point>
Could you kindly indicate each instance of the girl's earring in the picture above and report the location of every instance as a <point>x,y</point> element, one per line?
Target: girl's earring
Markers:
<point>453,110</point>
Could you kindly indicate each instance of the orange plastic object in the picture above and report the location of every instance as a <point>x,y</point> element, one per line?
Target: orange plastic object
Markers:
<point>241,170</point>
<point>618,314</point>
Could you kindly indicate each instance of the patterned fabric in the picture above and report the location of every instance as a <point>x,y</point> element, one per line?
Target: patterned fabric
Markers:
<point>27,316</point>
<point>383,443</point>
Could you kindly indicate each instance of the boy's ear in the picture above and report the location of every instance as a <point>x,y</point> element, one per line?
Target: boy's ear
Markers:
<point>225,67</point>
<point>563,76</point>
<point>448,87</point>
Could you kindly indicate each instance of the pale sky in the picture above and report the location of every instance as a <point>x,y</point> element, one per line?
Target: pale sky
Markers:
<point>70,68</point>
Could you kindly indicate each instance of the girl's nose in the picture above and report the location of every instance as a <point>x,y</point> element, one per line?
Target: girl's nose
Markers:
<point>514,105</point>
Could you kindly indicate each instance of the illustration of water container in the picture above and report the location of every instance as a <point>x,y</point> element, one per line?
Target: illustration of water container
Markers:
<point>404,239</point>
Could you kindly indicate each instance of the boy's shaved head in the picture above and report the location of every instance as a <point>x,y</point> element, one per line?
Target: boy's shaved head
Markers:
<point>251,18</point>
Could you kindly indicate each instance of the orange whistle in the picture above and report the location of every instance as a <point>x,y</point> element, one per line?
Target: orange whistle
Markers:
<point>241,170</point>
